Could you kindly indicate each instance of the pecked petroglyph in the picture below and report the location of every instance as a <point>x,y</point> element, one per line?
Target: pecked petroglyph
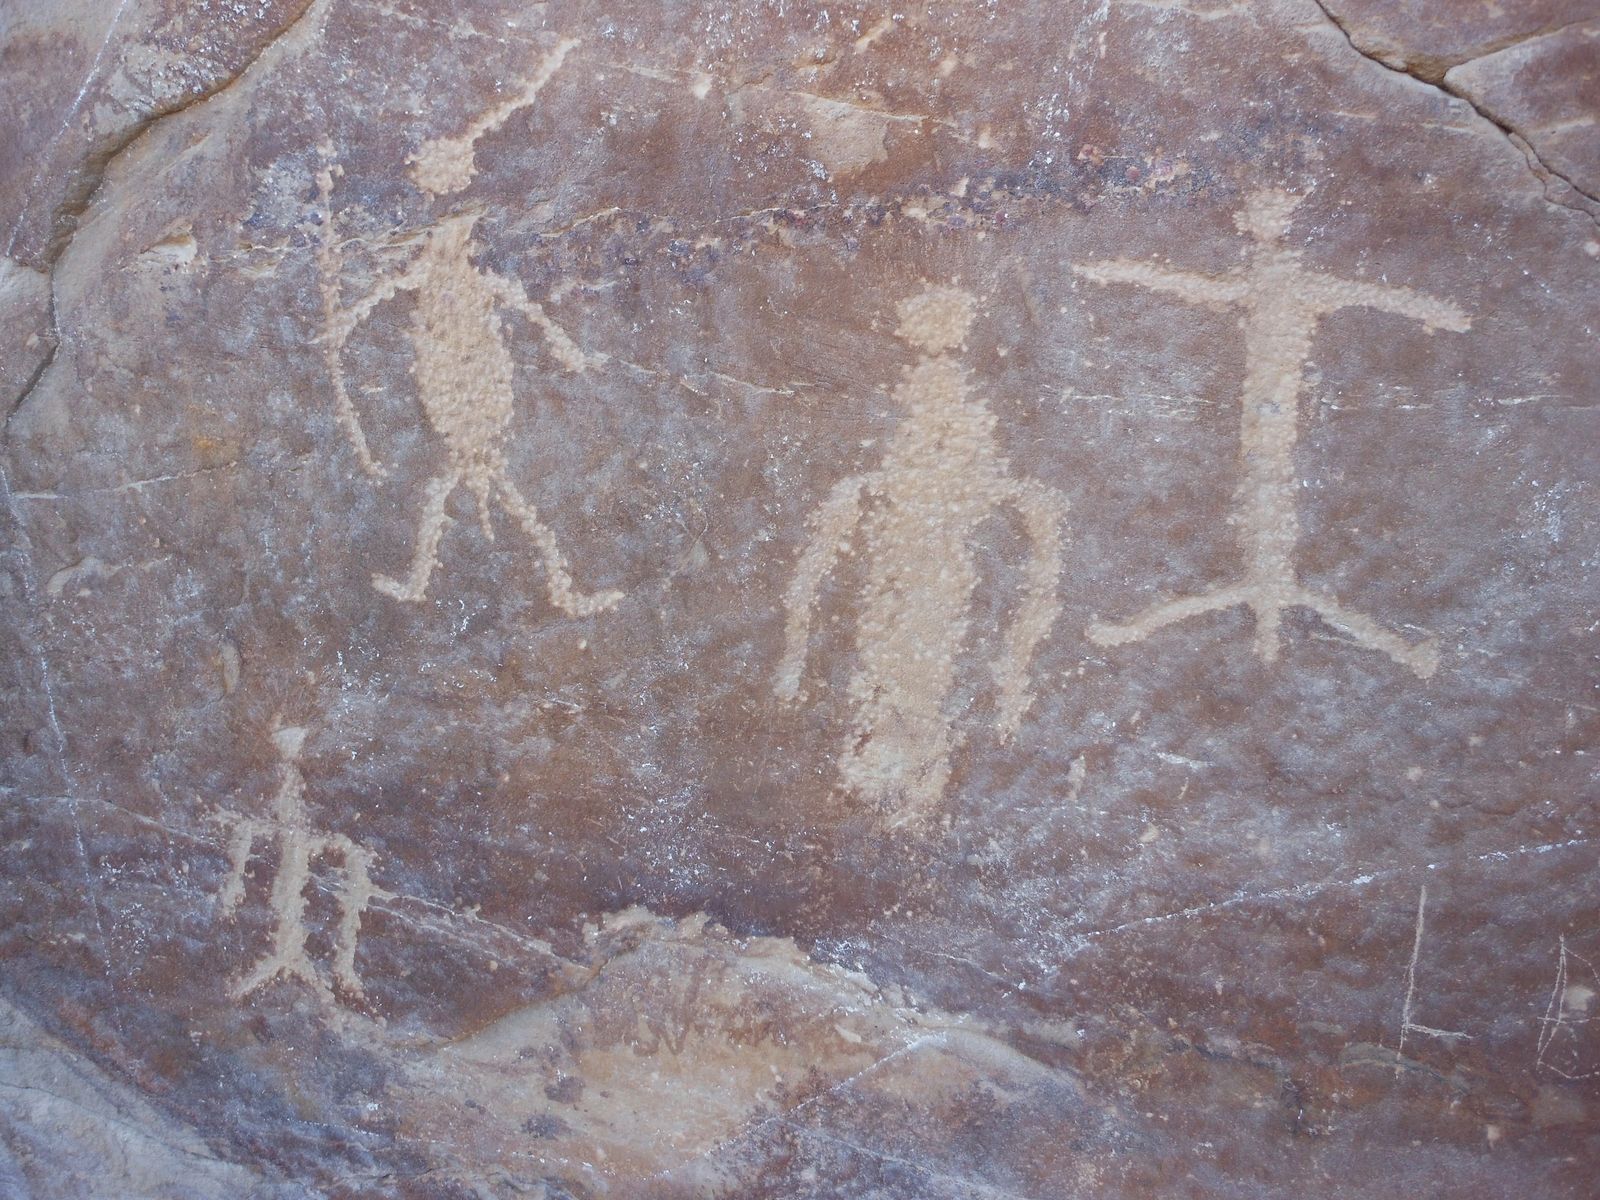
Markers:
<point>330,269</point>
<point>447,165</point>
<point>941,478</point>
<point>464,375</point>
<point>298,847</point>
<point>1282,304</point>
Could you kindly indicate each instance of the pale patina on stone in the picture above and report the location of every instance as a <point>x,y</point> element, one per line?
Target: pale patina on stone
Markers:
<point>799,599</point>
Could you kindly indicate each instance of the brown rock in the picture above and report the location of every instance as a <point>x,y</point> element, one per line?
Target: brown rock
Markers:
<point>800,600</point>
<point>1548,89</point>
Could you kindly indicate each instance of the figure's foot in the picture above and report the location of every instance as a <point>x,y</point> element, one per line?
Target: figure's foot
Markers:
<point>1266,605</point>
<point>1422,657</point>
<point>562,594</point>
<point>400,591</point>
<point>430,530</point>
<point>278,967</point>
<point>1110,633</point>
<point>584,604</point>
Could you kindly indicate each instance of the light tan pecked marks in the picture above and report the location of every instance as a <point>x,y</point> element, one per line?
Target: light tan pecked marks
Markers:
<point>447,165</point>
<point>942,477</point>
<point>937,320</point>
<point>463,371</point>
<point>1282,304</point>
<point>298,847</point>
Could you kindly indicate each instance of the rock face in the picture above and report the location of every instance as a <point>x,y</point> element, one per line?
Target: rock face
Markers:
<point>800,599</point>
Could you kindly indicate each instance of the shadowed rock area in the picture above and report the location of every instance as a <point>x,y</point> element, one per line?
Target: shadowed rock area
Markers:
<point>759,600</point>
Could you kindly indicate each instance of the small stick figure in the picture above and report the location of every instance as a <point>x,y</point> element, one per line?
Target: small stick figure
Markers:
<point>298,845</point>
<point>942,477</point>
<point>1282,305</point>
<point>463,371</point>
<point>1571,1004</point>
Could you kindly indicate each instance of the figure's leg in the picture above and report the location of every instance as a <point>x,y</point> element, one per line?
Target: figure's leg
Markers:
<point>830,528</point>
<point>482,486</point>
<point>897,761</point>
<point>288,955</point>
<point>1108,633</point>
<point>430,529</point>
<point>1421,657</point>
<point>349,420</point>
<point>357,892</point>
<point>563,594</point>
<point>862,764</point>
<point>1044,511</point>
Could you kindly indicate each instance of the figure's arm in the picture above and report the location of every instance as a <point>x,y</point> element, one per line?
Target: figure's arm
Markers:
<point>1330,294</point>
<point>513,295</point>
<point>831,527</point>
<point>1216,291</point>
<point>1043,511</point>
<point>342,322</point>
<point>241,837</point>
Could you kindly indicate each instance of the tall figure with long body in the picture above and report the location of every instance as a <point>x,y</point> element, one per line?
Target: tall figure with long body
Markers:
<point>1282,303</point>
<point>942,477</point>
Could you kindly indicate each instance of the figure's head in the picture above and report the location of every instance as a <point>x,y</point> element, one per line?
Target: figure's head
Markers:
<point>1266,214</point>
<point>444,165</point>
<point>288,739</point>
<point>937,320</point>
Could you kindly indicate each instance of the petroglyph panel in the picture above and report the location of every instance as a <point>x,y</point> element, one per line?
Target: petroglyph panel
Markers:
<point>799,600</point>
<point>683,1048</point>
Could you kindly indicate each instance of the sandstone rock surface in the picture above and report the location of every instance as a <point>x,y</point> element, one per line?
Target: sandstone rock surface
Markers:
<point>732,599</point>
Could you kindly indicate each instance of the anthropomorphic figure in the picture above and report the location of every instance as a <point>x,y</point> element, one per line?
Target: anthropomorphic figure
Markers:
<point>1281,304</point>
<point>299,846</point>
<point>462,363</point>
<point>918,515</point>
<point>463,371</point>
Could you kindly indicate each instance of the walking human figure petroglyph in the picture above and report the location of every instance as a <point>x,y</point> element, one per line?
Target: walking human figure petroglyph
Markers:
<point>1282,304</point>
<point>298,847</point>
<point>942,476</point>
<point>463,371</point>
<point>462,364</point>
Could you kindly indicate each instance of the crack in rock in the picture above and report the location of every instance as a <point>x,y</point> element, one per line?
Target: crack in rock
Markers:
<point>89,174</point>
<point>1435,74</point>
